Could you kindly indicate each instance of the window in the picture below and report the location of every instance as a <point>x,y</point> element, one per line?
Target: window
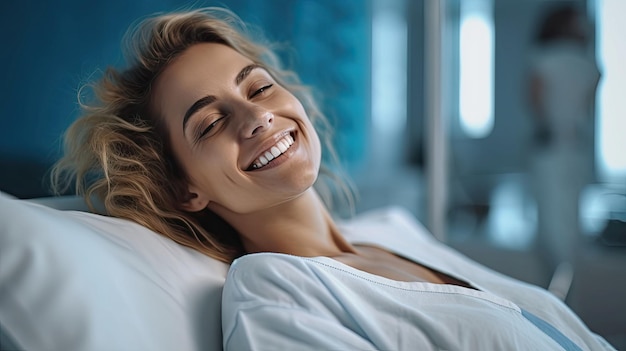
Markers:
<point>389,70</point>
<point>610,104</point>
<point>476,68</point>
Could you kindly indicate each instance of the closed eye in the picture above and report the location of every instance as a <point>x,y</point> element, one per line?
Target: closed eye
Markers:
<point>209,129</point>
<point>261,90</point>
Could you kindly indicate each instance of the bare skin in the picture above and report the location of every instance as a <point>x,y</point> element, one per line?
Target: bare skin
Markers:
<point>271,204</point>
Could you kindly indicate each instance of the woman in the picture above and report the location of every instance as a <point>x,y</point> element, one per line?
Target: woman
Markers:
<point>206,140</point>
<point>562,88</point>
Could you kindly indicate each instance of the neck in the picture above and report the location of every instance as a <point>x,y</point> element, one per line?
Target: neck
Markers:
<point>301,227</point>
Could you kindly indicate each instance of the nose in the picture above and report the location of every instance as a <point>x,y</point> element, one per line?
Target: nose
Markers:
<point>256,120</point>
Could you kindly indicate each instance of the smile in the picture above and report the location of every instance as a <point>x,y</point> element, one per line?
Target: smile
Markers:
<point>272,153</point>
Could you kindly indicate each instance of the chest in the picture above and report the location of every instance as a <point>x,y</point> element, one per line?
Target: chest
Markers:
<point>385,264</point>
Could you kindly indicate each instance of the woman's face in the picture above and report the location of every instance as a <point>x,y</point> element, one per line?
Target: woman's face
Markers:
<point>245,142</point>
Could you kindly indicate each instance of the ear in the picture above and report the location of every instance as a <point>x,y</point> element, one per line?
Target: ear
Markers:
<point>194,200</point>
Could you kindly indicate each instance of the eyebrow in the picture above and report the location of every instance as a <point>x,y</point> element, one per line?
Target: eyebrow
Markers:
<point>209,99</point>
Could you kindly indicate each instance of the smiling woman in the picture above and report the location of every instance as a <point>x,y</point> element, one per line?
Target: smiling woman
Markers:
<point>238,115</point>
<point>206,140</point>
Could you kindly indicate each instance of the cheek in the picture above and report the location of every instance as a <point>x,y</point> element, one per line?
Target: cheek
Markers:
<point>315,142</point>
<point>200,166</point>
<point>212,170</point>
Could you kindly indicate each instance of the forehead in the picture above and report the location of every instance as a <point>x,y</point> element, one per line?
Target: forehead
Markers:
<point>213,58</point>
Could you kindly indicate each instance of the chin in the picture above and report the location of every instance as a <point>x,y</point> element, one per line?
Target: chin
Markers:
<point>305,180</point>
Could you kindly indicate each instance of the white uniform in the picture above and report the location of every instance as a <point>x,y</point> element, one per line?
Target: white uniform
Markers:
<point>282,302</point>
<point>562,168</point>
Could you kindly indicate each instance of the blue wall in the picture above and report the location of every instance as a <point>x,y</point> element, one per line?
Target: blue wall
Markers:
<point>51,47</point>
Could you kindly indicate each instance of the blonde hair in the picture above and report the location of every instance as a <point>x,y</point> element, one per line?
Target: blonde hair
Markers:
<point>118,151</point>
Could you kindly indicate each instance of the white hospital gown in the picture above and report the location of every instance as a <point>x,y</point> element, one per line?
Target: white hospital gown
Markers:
<point>282,302</point>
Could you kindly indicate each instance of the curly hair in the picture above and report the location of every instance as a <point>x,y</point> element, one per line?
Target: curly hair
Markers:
<point>118,152</point>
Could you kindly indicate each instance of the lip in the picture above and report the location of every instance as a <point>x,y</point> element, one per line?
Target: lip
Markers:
<point>266,146</point>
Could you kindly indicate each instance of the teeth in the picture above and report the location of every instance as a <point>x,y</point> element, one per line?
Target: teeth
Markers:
<point>275,151</point>
<point>281,147</point>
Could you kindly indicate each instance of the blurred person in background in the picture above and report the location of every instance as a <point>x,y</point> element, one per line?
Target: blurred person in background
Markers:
<point>562,88</point>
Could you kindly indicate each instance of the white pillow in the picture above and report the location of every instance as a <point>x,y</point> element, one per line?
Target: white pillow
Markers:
<point>73,280</point>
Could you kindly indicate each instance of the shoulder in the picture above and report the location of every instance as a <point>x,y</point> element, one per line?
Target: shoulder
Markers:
<point>259,283</point>
<point>267,274</point>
